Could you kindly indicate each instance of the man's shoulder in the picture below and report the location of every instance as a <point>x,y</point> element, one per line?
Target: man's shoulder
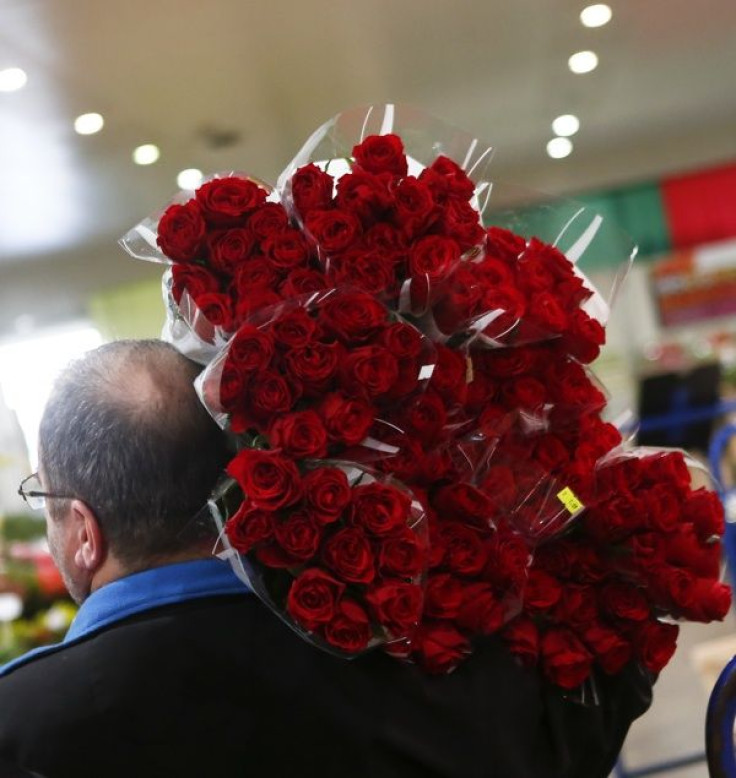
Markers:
<point>127,647</point>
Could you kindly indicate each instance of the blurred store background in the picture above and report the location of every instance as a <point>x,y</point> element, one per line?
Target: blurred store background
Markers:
<point>628,108</point>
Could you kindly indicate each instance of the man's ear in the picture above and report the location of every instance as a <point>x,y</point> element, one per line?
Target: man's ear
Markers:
<point>90,546</point>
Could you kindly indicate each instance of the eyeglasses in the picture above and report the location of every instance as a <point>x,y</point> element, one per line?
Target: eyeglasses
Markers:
<point>30,491</point>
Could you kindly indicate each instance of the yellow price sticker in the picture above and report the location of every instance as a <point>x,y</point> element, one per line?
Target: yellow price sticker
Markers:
<point>570,500</point>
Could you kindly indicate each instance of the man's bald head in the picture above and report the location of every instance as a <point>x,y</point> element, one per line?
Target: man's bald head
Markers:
<point>125,432</point>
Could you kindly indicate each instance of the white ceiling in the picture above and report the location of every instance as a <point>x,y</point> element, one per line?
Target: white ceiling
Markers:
<point>262,74</point>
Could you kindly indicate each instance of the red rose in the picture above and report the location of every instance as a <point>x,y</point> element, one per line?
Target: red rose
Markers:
<point>465,551</point>
<point>712,600</point>
<point>250,349</point>
<point>509,363</point>
<point>682,548</point>
<point>249,526</point>
<point>193,279</point>
<point>504,243</point>
<point>348,554</point>
<point>382,510</point>
<point>585,337</point>
<point>313,598</point>
<point>350,629</point>
<point>703,508</point>
<point>655,643</point>
<point>226,201</point>
<point>525,393</point>
<point>542,591</point>
<point>302,281</point>
<point>269,480</point>
<point>402,555</point>
<point>181,232</point>
<point>577,606</point>
<point>313,365</point>
<point>500,484</point>
<point>509,307</point>
<point>459,220</point>
<point>663,508</point>
<point>311,188</point>
<point>443,596</point>
<point>369,371</point>
<point>415,210</point>
<point>450,375</point>
<point>433,258</point>
<point>353,317</point>
<point>611,650</point>
<point>228,249</point>
<point>402,339</point>
<point>268,219</point>
<point>270,395</point>
<point>522,639</point>
<point>624,601</point>
<point>481,611</point>
<point>424,418</point>
<point>463,502</point>
<point>287,250</point>
<point>614,519</point>
<point>364,269</point>
<point>387,240</point>
<point>446,178</point>
<point>396,605</point>
<point>249,301</point>
<point>558,263</point>
<point>299,435</point>
<point>217,309</point>
<point>364,194</point>
<point>334,230</point>
<point>570,384</point>
<point>439,647</point>
<point>299,536</point>
<point>508,559</point>
<point>565,660</point>
<point>293,329</point>
<point>535,276</point>
<point>381,154</point>
<point>551,452</point>
<point>233,383</point>
<point>459,299</point>
<point>347,420</point>
<point>326,493</point>
<point>256,273</point>
<point>669,468</point>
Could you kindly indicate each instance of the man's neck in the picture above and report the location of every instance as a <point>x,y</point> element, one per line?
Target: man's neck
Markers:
<point>113,568</point>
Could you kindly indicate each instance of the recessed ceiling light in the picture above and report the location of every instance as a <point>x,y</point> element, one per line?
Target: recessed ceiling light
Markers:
<point>190,178</point>
<point>12,79</point>
<point>565,125</point>
<point>88,123</point>
<point>583,62</point>
<point>559,148</point>
<point>146,154</point>
<point>596,15</point>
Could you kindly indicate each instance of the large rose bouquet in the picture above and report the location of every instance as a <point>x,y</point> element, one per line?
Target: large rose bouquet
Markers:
<point>423,458</point>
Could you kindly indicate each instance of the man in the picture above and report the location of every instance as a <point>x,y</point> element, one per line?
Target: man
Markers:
<point>172,668</point>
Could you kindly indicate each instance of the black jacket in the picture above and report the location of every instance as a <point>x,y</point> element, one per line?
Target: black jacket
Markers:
<point>221,687</point>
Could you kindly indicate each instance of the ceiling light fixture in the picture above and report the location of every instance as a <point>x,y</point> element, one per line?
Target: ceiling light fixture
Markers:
<point>596,15</point>
<point>583,62</point>
<point>89,123</point>
<point>190,178</point>
<point>12,79</point>
<point>146,154</point>
<point>566,125</point>
<point>559,148</point>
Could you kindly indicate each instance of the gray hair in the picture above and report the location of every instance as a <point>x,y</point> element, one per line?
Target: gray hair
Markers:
<point>125,432</point>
